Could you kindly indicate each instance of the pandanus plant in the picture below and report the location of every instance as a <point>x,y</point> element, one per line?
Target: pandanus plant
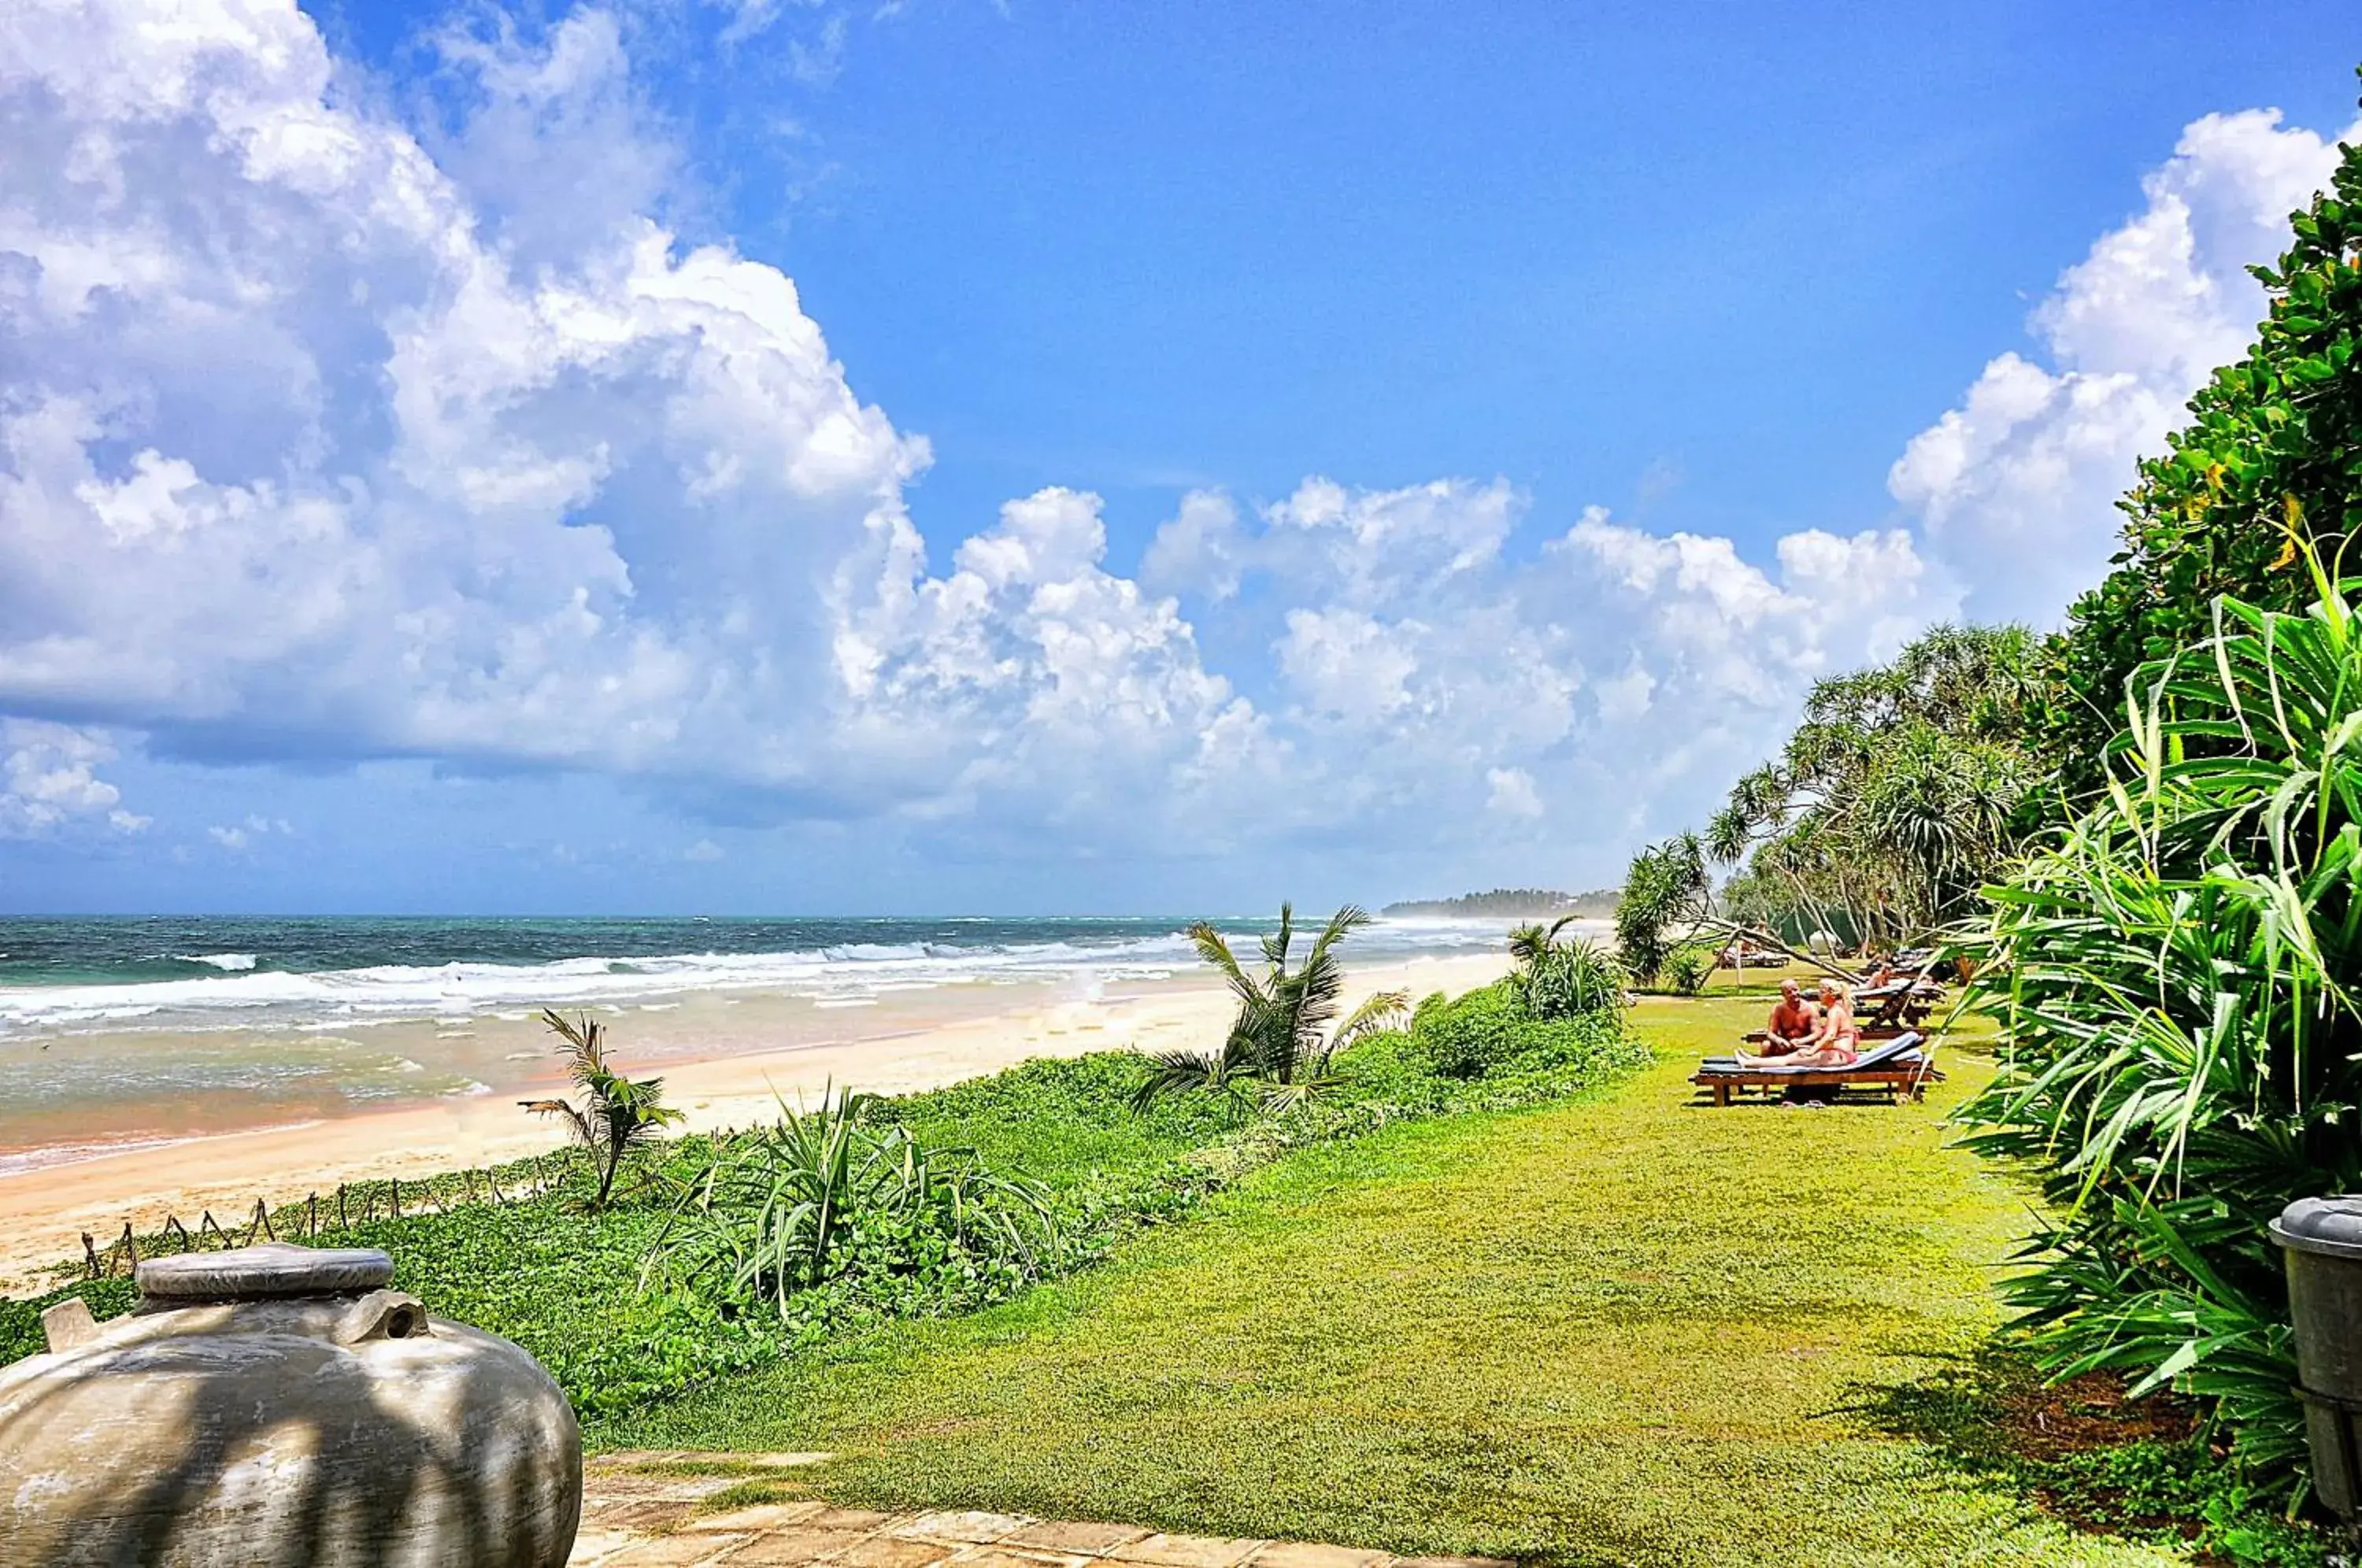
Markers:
<point>2175,979</point>
<point>780,1209</point>
<point>1564,979</point>
<point>1280,1046</point>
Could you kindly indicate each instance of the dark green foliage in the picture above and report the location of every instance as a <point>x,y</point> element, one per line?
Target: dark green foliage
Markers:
<point>1903,788</point>
<point>562,1280</point>
<point>1511,902</point>
<point>1688,967</point>
<point>2273,449</point>
<point>2178,979</point>
<point>1057,1119</point>
<point>1466,1039</point>
<point>829,1194</point>
<point>1489,1034</point>
<point>1667,896</point>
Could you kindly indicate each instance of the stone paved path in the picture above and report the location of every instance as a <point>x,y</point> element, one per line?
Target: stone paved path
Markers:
<point>655,1509</point>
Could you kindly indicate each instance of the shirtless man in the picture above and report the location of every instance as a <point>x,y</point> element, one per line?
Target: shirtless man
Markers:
<point>1835,1043</point>
<point>1793,1022</point>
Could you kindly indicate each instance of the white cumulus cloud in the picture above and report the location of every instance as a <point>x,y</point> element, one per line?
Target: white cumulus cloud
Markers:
<point>49,780</point>
<point>2017,486</point>
<point>327,436</point>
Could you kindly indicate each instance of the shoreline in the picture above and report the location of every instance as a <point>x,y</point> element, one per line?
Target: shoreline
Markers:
<point>44,1209</point>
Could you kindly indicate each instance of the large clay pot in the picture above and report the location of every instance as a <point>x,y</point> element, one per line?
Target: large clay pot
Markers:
<point>277,1407</point>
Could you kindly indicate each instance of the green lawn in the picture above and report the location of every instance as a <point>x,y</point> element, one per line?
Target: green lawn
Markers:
<point>1605,1331</point>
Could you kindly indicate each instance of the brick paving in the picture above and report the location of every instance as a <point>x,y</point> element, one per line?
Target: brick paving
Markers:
<point>646,1509</point>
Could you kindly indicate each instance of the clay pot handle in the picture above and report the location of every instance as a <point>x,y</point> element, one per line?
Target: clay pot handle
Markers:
<point>382,1315</point>
<point>68,1324</point>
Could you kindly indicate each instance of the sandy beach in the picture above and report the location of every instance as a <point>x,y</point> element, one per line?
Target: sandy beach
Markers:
<point>718,1074</point>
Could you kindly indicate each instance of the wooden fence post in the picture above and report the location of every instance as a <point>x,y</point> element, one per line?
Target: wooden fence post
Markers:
<point>397,1196</point>
<point>130,1246</point>
<point>90,1250</point>
<point>311,1217</point>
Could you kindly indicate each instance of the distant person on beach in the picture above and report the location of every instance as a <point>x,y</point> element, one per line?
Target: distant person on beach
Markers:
<point>1794,1021</point>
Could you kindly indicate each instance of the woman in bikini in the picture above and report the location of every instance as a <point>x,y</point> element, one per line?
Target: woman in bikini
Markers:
<point>1835,1043</point>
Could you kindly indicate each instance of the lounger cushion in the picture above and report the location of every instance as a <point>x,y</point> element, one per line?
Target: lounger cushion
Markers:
<point>1885,1054</point>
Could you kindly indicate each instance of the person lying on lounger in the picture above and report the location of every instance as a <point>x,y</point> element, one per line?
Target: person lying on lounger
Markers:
<point>1794,1022</point>
<point>1835,1043</point>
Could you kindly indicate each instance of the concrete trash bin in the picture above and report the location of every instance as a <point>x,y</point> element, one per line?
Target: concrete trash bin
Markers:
<point>2320,1240</point>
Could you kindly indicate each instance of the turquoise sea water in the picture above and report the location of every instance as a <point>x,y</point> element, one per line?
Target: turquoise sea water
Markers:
<point>171,973</point>
<point>130,1030</point>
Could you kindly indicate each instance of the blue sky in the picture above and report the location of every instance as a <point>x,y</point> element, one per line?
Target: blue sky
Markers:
<point>1655,359</point>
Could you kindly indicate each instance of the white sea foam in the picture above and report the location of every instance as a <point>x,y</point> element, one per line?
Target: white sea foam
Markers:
<point>244,997</point>
<point>234,962</point>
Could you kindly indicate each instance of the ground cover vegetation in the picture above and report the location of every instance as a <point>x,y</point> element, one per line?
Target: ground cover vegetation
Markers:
<point>651,1269</point>
<point>1595,1328</point>
<point>2139,832</point>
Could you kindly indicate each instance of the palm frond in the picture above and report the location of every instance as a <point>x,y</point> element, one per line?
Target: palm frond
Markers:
<point>1381,1011</point>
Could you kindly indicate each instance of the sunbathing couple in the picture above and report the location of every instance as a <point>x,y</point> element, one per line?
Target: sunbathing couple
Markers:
<point>1798,1037</point>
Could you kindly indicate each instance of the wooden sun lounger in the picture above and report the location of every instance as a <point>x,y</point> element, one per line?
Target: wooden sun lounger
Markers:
<point>1895,1068</point>
<point>1902,1002</point>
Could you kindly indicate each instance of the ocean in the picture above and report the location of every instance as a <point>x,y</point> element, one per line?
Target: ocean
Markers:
<point>116,1032</point>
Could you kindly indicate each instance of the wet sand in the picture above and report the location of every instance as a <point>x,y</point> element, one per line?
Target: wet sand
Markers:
<point>715,1068</point>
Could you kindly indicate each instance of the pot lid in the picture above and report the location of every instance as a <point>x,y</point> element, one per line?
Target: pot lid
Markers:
<point>2328,1225</point>
<point>265,1273</point>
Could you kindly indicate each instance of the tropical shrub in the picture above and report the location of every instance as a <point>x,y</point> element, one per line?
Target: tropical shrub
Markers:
<point>1278,1050</point>
<point>2273,447</point>
<point>2175,980</point>
<point>1470,1036</point>
<point>831,1192</point>
<point>1688,967</point>
<point>1481,1053</point>
<point>1562,980</point>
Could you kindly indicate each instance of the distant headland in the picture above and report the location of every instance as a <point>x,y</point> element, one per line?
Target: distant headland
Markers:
<point>1512,902</point>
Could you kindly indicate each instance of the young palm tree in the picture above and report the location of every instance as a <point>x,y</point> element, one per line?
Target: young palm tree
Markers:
<point>1279,1046</point>
<point>617,1114</point>
<point>1530,945</point>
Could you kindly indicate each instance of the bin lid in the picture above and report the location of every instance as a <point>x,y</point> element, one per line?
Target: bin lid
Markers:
<point>2332,1226</point>
<point>269,1272</point>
